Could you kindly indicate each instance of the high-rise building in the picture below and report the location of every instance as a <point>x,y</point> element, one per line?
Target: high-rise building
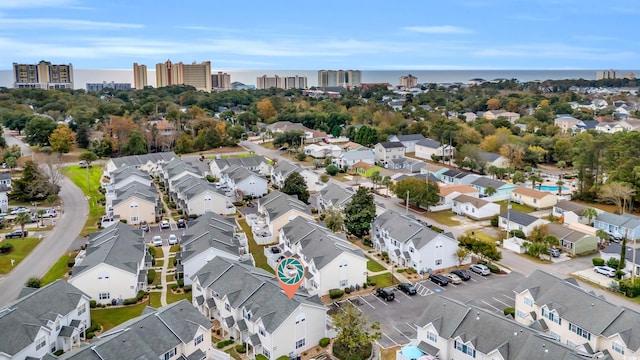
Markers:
<point>286,82</point>
<point>408,81</point>
<point>139,76</point>
<point>43,75</point>
<point>606,74</point>
<point>343,78</point>
<point>221,81</point>
<point>97,87</point>
<point>295,82</point>
<point>196,75</point>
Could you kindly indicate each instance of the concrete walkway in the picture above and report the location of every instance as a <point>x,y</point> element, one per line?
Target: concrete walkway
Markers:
<point>163,274</point>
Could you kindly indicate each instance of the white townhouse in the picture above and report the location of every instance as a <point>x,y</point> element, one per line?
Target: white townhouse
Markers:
<point>134,203</point>
<point>409,141</point>
<point>515,220</point>
<point>323,151</point>
<point>450,329</point>
<point>177,169</point>
<point>175,331</point>
<point>243,181</point>
<point>251,307</point>
<point>387,151</point>
<point>209,236</point>
<point>113,266</point>
<point>284,168</point>
<point>4,199</point>
<point>334,196</point>
<point>43,321</point>
<point>126,175</point>
<point>274,211</point>
<point>331,261</point>
<point>410,243</point>
<point>145,162</point>
<point>352,157</point>
<point>427,149</point>
<point>252,163</point>
<point>198,196</point>
<point>577,317</point>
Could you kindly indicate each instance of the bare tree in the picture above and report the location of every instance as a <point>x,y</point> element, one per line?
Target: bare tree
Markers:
<point>51,166</point>
<point>618,193</point>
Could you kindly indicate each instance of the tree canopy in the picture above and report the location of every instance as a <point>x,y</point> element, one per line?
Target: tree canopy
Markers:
<point>360,212</point>
<point>295,185</point>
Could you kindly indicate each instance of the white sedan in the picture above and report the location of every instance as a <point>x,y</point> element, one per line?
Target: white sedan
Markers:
<point>164,224</point>
<point>173,239</point>
<point>157,240</point>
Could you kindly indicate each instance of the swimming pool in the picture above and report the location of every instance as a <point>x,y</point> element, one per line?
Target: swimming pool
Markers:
<point>550,188</point>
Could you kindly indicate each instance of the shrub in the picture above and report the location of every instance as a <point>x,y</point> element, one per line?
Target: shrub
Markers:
<point>597,261</point>
<point>437,229</point>
<point>335,293</point>
<point>224,343</point>
<point>90,335</point>
<point>174,286</point>
<point>6,248</point>
<point>210,178</point>
<point>283,357</point>
<point>324,342</point>
<point>152,251</point>
<point>347,290</point>
<point>364,285</point>
<point>92,304</point>
<point>613,262</point>
<point>180,283</point>
<point>95,327</point>
<point>630,289</point>
<point>509,311</point>
<point>518,233</point>
<point>332,170</point>
<point>492,267</point>
<point>261,357</point>
<point>33,282</point>
<point>180,211</point>
<point>494,220</point>
<point>71,263</point>
<point>241,348</point>
<point>342,352</point>
<point>151,276</point>
<point>171,205</point>
<point>301,156</point>
<point>411,270</point>
<point>187,288</point>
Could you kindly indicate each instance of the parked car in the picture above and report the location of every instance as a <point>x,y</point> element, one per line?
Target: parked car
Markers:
<point>16,234</point>
<point>407,288</point>
<point>19,210</point>
<point>182,224</point>
<point>614,238</point>
<point>173,239</point>
<point>480,269</point>
<point>453,278</point>
<point>385,294</point>
<point>554,252</point>
<point>439,279</point>
<point>157,240</point>
<point>462,274</point>
<point>144,226</point>
<point>605,270</point>
<point>49,213</point>
<point>164,224</point>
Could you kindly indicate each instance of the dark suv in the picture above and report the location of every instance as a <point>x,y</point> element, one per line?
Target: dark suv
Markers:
<point>386,294</point>
<point>16,234</point>
<point>439,279</point>
<point>182,224</point>
<point>407,288</point>
<point>462,274</point>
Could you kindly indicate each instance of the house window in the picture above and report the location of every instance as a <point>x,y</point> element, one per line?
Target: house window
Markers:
<point>57,324</point>
<point>104,296</point>
<point>535,201</point>
<point>571,344</point>
<point>300,343</point>
<point>521,314</point>
<point>556,336</point>
<point>266,353</point>
<point>82,309</point>
<point>40,343</point>
<point>198,340</point>
<point>580,331</point>
<point>551,316</point>
<point>343,283</point>
<point>439,262</point>
<point>261,331</point>
<point>464,349</point>
<point>171,353</point>
<point>617,347</point>
<point>134,219</point>
<point>432,336</point>
<point>227,307</point>
<point>528,301</point>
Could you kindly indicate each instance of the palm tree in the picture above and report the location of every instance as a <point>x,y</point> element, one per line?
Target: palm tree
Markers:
<point>534,179</point>
<point>386,181</point>
<point>560,183</point>
<point>22,219</point>
<point>41,213</point>
<point>602,235</point>
<point>590,213</point>
<point>375,179</point>
<point>490,190</point>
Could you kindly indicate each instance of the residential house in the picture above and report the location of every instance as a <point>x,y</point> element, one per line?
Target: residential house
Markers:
<point>469,116</point>
<point>450,329</point>
<point>570,212</point>
<point>565,312</point>
<point>565,122</point>
<point>5,179</point>
<point>496,114</point>
<point>241,180</point>
<point>573,241</point>
<point>448,192</point>
<point>322,151</point>
<point>195,195</point>
<point>175,170</point>
<point>145,162</point>
<point>350,146</point>
<point>516,220</point>
<point>251,307</point>
<point>427,149</point>
<point>126,175</point>
<point>113,265</point>
<point>365,169</point>
<point>4,199</point>
<point>452,176</point>
<point>165,128</point>
<point>174,331</point>
<point>613,250</point>
<point>284,168</point>
<point>274,211</point>
<point>502,188</point>
<point>619,225</point>
<point>43,321</point>
<point>406,163</point>
<point>331,261</point>
<point>349,158</point>
<point>334,196</point>
<point>252,163</point>
<point>387,151</point>
<point>135,203</point>
<point>209,236</point>
<point>474,208</point>
<point>533,198</point>
<point>409,141</point>
<point>493,159</point>
<point>285,126</point>
<point>434,169</point>
<point>410,243</point>
<point>423,177</point>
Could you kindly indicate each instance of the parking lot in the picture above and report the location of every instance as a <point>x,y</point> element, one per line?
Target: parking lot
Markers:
<point>163,233</point>
<point>397,318</point>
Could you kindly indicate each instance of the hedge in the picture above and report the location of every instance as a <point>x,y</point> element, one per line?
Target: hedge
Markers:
<point>241,348</point>
<point>630,289</point>
<point>151,276</point>
<point>341,352</point>
<point>492,267</point>
<point>335,293</point>
<point>261,357</point>
<point>224,343</point>
<point>509,311</point>
<point>324,342</point>
<point>597,261</point>
<point>283,357</point>
<point>92,304</point>
<point>6,248</point>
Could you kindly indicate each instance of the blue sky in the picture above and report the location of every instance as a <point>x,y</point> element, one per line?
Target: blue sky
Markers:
<point>278,34</point>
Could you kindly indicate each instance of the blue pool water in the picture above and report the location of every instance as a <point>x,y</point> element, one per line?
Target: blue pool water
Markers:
<point>411,352</point>
<point>551,188</point>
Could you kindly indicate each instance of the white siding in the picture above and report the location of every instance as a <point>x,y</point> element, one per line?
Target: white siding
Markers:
<point>105,278</point>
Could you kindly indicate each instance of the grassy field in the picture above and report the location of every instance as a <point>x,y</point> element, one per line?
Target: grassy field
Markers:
<point>382,280</point>
<point>256,250</point>
<point>174,248</point>
<point>159,254</point>
<point>482,236</point>
<point>374,266</point>
<point>21,248</point>
<point>155,299</point>
<point>79,177</point>
<point>59,269</point>
<point>171,297</point>
<point>514,206</point>
<point>112,317</point>
<point>171,261</point>
<point>443,217</point>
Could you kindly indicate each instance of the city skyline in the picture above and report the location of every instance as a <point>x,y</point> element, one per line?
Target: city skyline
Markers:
<point>466,34</point>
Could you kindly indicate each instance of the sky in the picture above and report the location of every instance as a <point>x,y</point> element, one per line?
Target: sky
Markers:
<point>328,34</point>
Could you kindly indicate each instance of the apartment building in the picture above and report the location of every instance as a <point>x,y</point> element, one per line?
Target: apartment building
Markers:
<point>408,81</point>
<point>139,76</point>
<point>97,87</point>
<point>42,75</point>
<point>220,81</point>
<point>342,78</point>
<point>286,82</point>
<point>194,74</point>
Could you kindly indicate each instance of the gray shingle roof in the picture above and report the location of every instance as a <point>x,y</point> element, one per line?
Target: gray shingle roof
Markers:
<point>284,168</point>
<point>519,217</point>
<point>429,143</point>
<point>410,137</point>
<point>127,171</point>
<point>488,156</point>
<point>117,245</point>
<point>485,182</point>
<point>392,144</point>
<point>358,155</point>
<point>210,231</point>
<point>238,173</point>
<point>253,289</point>
<point>178,166</point>
<point>405,229</point>
<point>625,220</point>
<point>336,195</point>
<point>140,191</point>
<point>454,173</point>
<point>251,161</point>
<point>615,248</point>
<point>137,160</point>
<point>574,207</point>
<point>277,203</point>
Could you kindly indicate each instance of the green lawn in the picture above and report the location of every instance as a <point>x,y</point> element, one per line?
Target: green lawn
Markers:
<point>382,280</point>
<point>374,266</point>
<point>59,269</point>
<point>245,155</point>
<point>112,317</point>
<point>155,299</point>
<point>256,250</point>
<point>159,263</point>
<point>171,261</point>
<point>514,206</point>
<point>170,278</point>
<point>232,352</point>
<point>171,297</point>
<point>174,248</point>
<point>21,248</point>
<point>443,217</point>
<point>482,236</point>
<point>79,177</point>
<point>159,254</point>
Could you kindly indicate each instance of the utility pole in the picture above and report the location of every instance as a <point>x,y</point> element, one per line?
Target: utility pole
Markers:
<point>406,209</point>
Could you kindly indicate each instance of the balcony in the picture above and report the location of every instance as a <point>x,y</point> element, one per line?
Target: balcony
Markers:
<point>241,238</point>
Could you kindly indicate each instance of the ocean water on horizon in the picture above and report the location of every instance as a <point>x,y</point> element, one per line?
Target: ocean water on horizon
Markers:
<point>83,76</point>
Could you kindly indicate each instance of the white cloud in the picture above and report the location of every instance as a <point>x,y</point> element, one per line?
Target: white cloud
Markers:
<point>68,24</point>
<point>443,29</point>
<point>552,51</point>
<point>14,4</point>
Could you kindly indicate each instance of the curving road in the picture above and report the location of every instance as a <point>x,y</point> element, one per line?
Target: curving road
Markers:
<point>56,244</point>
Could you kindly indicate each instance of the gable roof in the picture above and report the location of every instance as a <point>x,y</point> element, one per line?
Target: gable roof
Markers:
<point>336,195</point>
<point>405,229</point>
<point>519,217</point>
<point>358,155</point>
<point>525,191</point>
<point>126,171</point>
<point>391,144</point>
<point>277,203</point>
<point>566,233</point>
<point>476,202</point>
<point>137,160</point>
<point>210,231</point>
<point>117,245</point>
<point>410,137</point>
<point>445,190</point>
<point>138,190</point>
<point>429,143</point>
<point>485,182</point>
<point>238,173</point>
<point>625,220</point>
<point>350,145</point>
<point>574,207</point>
<point>284,168</point>
<point>251,161</point>
<point>488,156</point>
